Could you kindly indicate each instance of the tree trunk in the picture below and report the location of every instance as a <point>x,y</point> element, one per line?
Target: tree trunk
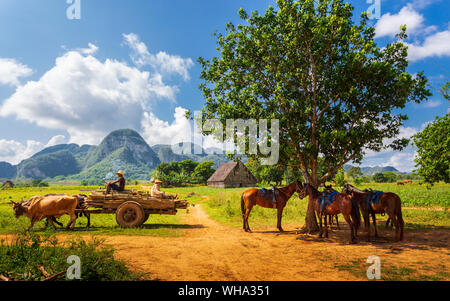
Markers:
<point>311,225</point>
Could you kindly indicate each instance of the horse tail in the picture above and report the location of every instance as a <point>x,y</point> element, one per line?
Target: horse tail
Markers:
<point>356,216</point>
<point>243,204</point>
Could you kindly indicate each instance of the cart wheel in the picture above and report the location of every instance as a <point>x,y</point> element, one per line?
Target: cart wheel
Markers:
<point>147,215</point>
<point>130,214</point>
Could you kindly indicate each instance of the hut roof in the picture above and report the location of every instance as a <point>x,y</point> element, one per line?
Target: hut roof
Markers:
<point>222,172</point>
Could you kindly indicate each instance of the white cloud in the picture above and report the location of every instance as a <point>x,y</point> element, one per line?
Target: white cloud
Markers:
<point>432,103</point>
<point>58,139</point>
<point>11,70</point>
<point>403,161</point>
<point>434,45</point>
<point>161,62</point>
<point>14,152</point>
<point>156,131</point>
<point>389,25</point>
<point>86,97</point>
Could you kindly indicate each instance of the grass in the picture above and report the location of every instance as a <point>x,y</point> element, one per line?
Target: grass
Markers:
<point>411,272</point>
<point>34,257</point>
<point>223,205</point>
<point>101,224</point>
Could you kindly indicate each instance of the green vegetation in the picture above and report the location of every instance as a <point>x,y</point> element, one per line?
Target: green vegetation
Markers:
<point>431,209</point>
<point>327,109</point>
<point>433,150</point>
<point>35,257</point>
<point>183,172</point>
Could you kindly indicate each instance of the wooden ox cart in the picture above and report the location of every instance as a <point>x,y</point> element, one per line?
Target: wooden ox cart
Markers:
<point>132,208</point>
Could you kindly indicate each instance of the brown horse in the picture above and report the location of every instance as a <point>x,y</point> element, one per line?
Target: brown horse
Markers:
<point>389,203</point>
<point>342,204</point>
<point>252,197</point>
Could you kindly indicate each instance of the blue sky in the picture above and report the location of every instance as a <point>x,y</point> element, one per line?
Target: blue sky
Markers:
<point>62,79</point>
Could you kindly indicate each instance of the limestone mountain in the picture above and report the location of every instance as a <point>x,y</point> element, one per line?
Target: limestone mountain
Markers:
<point>370,171</point>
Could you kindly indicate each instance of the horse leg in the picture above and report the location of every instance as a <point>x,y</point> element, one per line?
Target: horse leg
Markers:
<point>401,223</point>
<point>326,227</point>
<point>320,224</point>
<point>388,222</point>
<point>279,216</point>
<point>367,224</point>
<point>247,214</point>
<point>337,222</point>
<point>397,220</point>
<point>375,224</point>
<point>350,223</point>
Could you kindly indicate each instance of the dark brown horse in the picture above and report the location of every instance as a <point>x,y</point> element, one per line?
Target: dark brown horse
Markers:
<point>342,204</point>
<point>388,202</point>
<point>252,197</point>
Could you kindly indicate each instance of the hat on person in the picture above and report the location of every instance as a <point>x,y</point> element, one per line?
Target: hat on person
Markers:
<point>119,173</point>
<point>158,182</point>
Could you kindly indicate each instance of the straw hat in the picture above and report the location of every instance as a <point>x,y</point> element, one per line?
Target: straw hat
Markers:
<point>119,173</point>
<point>158,182</point>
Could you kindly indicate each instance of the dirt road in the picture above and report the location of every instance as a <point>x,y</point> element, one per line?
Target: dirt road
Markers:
<point>212,251</point>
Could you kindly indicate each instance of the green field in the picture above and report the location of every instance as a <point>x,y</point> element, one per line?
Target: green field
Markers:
<point>424,208</point>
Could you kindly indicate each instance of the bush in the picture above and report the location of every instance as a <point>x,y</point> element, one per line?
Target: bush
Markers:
<point>25,257</point>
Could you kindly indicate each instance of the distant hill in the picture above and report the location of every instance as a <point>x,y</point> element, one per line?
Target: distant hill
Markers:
<point>122,149</point>
<point>369,171</point>
<point>191,151</point>
<point>7,170</point>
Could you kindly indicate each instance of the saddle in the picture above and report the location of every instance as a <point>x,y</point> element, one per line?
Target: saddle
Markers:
<point>373,197</point>
<point>326,198</point>
<point>270,193</point>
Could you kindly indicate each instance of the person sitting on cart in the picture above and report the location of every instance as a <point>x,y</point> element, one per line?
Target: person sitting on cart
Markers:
<point>156,191</point>
<point>117,185</point>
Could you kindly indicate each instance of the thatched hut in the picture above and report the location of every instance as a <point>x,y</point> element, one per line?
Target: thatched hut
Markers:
<point>8,184</point>
<point>232,174</point>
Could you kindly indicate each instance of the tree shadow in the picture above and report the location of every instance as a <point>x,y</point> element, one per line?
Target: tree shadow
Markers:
<point>420,237</point>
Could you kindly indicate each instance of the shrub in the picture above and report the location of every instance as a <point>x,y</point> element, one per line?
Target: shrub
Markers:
<point>26,256</point>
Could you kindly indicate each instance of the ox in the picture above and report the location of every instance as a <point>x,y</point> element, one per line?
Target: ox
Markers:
<point>38,208</point>
<point>80,206</point>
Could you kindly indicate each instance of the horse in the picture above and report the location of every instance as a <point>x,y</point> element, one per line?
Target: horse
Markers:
<point>389,203</point>
<point>330,189</point>
<point>252,197</point>
<point>341,204</point>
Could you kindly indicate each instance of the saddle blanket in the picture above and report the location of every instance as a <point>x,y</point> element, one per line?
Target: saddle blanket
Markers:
<point>326,199</point>
<point>374,197</point>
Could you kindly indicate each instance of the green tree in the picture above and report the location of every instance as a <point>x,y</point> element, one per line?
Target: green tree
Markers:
<point>333,90</point>
<point>354,172</point>
<point>203,172</point>
<point>390,176</point>
<point>433,151</point>
<point>340,178</point>
<point>379,177</point>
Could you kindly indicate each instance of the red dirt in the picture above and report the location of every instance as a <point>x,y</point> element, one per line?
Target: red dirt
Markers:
<point>212,251</point>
